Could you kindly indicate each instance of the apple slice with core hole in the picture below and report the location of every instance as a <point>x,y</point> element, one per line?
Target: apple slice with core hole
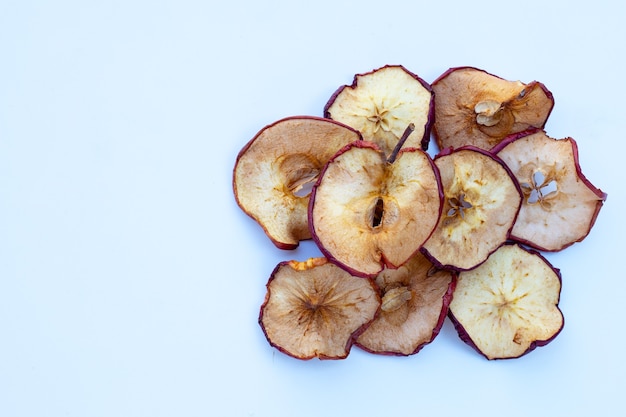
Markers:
<point>274,172</point>
<point>368,212</point>
<point>415,300</point>
<point>560,205</point>
<point>473,107</point>
<point>481,202</point>
<point>314,309</point>
<point>508,306</point>
<point>382,103</point>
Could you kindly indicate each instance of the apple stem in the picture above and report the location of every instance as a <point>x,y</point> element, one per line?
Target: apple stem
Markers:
<point>409,129</point>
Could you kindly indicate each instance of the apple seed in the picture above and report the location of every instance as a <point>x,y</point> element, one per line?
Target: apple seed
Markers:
<point>395,298</point>
<point>488,112</point>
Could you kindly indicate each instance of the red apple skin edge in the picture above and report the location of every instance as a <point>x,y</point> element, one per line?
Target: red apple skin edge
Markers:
<point>425,141</point>
<point>349,343</point>
<point>329,256</point>
<point>447,299</point>
<point>602,196</point>
<point>537,343</point>
<point>450,150</point>
<point>279,245</point>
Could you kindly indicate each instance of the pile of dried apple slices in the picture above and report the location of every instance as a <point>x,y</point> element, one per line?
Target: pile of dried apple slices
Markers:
<point>407,239</point>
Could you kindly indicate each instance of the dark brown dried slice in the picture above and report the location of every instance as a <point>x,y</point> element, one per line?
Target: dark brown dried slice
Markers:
<point>314,309</point>
<point>382,103</point>
<point>508,306</point>
<point>481,202</point>
<point>474,107</point>
<point>415,299</point>
<point>560,205</point>
<point>274,173</point>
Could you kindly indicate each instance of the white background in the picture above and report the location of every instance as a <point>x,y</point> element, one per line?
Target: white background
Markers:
<point>130,281</point>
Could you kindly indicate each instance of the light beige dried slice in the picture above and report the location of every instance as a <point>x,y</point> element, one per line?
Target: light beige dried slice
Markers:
<point>415,299</point>
<point>481,202</point>
<point>314,309</point>
<point>274,173</point>
<point>368,212</point>
<point>474,107</point>
<point>560,205</point>
<point>508,306</point>
<point>382,103</point>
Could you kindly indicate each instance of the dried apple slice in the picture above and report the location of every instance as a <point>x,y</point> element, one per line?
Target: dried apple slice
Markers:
<point>508,306</point>
<point>382,103</point>
<point>473,107</point>
<point>273,170</point>
<point>368,212</point>
<point>481,202</point>
<point>415,300</point>
<point>315,309</point>
<point>560,205</point>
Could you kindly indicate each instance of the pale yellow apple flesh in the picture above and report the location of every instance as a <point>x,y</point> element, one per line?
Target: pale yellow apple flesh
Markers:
<point>274,168</point>
<point>382,103</point>
<point>560,205</point>
<point>508,305</point>
<point>481,202</point>
<point>367,213</point>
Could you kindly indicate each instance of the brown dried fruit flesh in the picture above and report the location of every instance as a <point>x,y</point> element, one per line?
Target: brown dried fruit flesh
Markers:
<point>382,103</point>
<point>481,202</point>
<point>315,309</point>
<point>409,240</point>
<point>366,213</point>
<point>560,205</point>
<point>415,300</point>
<point>474,107</point>
<point>508,306</point>
<point>273,170</point>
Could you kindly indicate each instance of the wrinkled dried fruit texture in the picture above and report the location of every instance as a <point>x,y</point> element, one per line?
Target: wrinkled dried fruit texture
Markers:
<point>415,301</point>
<point>473,107</point>
<point>560,205</point>
<point>275,167</point>
<point>481,201</point>
<point>382,103</point>
<point>313,309</point>
<point>367,213</point>
<point>509,305</point>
